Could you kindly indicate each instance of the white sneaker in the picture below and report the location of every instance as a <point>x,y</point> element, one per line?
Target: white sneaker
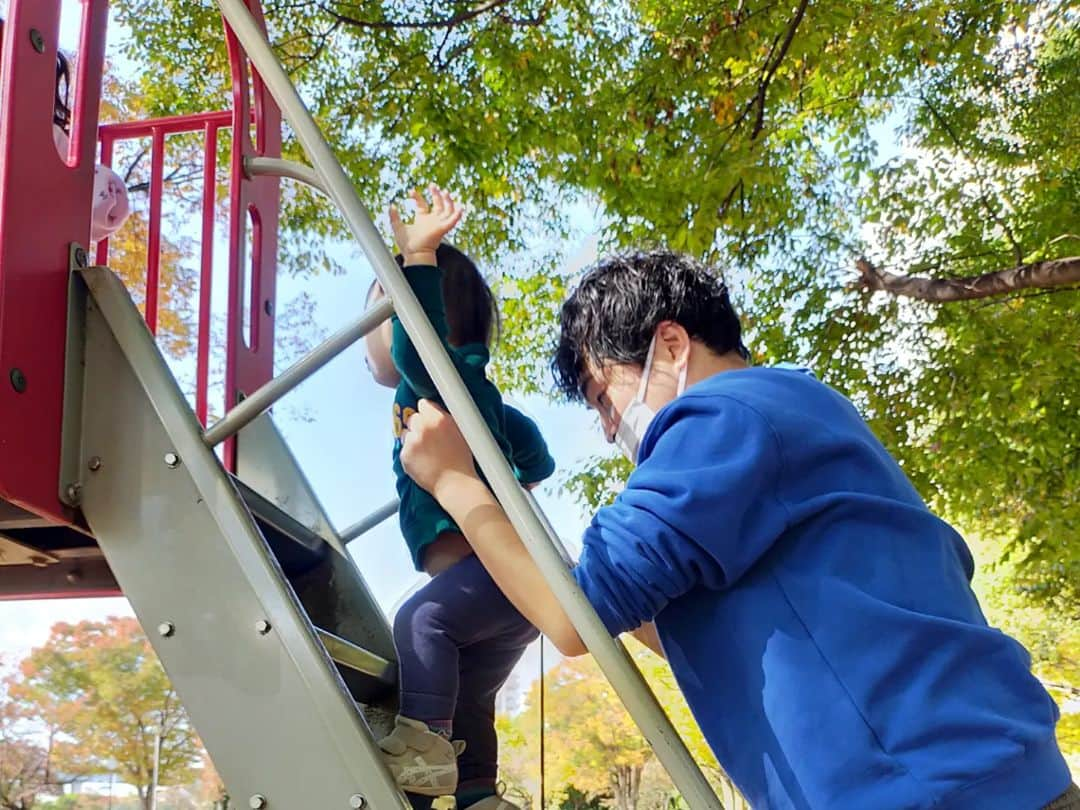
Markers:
<point>421,761</point>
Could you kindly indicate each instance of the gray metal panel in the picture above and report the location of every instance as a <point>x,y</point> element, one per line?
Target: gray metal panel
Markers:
<point>270,705</point>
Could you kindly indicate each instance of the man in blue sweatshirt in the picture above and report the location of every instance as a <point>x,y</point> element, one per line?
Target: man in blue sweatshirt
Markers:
<point>817,616</point>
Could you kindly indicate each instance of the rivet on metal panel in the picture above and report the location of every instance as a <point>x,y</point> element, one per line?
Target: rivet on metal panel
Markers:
<point>356,801</point>
<point>94,464</point>
<point>18,380</point>
<point>74,576</point>
<point>166,629</point>
<point>257,802</point>
<point>74,493</point>
<point>262,627</point>
<point>172,461</point>
<point>37,40</point>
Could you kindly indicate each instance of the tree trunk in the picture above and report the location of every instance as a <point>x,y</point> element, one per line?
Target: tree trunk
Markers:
<point>626,786</point>
<point>1038,275</point>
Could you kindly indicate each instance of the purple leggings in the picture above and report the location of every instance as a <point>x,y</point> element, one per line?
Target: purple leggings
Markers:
<point>457,640</point>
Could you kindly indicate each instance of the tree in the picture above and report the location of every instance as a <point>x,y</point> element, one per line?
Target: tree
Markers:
<point>593,749</point>
<point>24,762</point>
<point>750,135</point>
<point>101,685</point>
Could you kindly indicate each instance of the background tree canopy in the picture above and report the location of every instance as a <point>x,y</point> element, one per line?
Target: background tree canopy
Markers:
<point>893,187</point>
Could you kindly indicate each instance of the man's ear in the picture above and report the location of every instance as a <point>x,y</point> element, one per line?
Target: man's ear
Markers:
<point>673,343</point>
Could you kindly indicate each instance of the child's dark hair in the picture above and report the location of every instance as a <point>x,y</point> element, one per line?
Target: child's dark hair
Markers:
<point>613,313</point>
<point>471,312</point>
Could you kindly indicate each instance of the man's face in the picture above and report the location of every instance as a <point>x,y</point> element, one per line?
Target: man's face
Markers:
<point>609,389</point>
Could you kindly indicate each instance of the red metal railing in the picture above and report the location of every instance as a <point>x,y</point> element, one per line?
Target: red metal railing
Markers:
<point>209,124</point>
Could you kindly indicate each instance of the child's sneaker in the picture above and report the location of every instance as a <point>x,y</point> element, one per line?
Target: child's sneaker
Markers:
<point>421,761</point>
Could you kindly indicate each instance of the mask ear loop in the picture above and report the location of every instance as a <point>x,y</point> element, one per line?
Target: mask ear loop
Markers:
<point>644,386</point>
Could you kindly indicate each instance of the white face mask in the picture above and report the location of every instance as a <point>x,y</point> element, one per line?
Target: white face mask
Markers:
<point>638,416</point>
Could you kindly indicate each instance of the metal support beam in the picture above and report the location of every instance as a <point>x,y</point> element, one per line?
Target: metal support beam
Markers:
<point>264,398</point>
<point>612,657</point>
<point>371,521</point>
<point>278,167</point>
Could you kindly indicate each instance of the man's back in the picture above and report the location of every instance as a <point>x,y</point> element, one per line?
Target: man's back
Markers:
<point>816,614</point>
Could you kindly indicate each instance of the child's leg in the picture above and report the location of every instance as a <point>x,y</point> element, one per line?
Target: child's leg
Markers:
<point>484,668</point>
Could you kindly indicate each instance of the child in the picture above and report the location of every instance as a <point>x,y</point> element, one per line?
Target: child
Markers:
<point>458,637</point>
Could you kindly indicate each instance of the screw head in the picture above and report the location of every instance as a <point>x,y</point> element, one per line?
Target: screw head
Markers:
<point>18,380</point>
<point>94,464</point>
<point>172,460</point>
<point>257,802</point>
<point>262,627</point>
<point>74,576</point>
<point>356,801</point>
<point>166,629</point>
<point>37,40</point>
<point>74,492</point>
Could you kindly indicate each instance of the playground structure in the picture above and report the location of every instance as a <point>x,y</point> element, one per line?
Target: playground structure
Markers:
<point>110,481</point>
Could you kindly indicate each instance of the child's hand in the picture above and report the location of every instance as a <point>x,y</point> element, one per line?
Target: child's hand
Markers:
<point>418,240</point>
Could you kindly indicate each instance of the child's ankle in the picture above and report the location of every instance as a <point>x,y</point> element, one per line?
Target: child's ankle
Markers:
<point>473,791</point>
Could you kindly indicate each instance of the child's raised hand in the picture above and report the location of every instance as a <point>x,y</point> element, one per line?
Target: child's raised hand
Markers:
<point>418,239</point>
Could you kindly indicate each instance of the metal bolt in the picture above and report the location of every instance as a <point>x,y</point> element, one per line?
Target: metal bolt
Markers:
<point>257,802</point>
<point>166,629</point>
<point>172,461</point>
<point>94,464</point>
<point>356,801</point>
<point>74,492</point>
<point>81,259</point>
<point>262,627</point>
<point>74,576</point>
<point>37,40</point>
<point>18,380</point>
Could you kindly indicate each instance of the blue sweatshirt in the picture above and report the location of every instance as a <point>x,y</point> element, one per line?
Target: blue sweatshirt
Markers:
<point>817,616</point>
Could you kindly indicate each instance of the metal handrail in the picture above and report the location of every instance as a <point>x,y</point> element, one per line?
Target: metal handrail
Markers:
<point>264,398</point>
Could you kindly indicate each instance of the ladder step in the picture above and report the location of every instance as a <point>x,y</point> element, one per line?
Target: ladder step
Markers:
<point>357,658</point>
<point>298,549</point>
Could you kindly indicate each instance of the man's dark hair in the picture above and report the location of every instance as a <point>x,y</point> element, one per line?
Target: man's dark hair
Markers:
<point>471,312</point>
<point>613,313</point>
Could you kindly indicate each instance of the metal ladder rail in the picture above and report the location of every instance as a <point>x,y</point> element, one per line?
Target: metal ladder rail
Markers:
<point>610,654</point>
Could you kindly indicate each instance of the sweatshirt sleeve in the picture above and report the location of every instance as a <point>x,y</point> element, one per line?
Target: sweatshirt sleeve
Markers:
<point>426,282</point>
<point>529,451</point>
<point>699,510</point>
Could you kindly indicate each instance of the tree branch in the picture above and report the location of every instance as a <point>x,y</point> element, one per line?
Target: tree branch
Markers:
<point>1048,274</point>
<point>774,65</point>
<point>444,22</point>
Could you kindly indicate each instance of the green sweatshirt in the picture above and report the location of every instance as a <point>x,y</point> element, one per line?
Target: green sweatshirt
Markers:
<point>422,519</point>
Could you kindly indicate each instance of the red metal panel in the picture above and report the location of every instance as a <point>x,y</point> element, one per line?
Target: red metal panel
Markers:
<point>249,366</point>
<point>44,206</point>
